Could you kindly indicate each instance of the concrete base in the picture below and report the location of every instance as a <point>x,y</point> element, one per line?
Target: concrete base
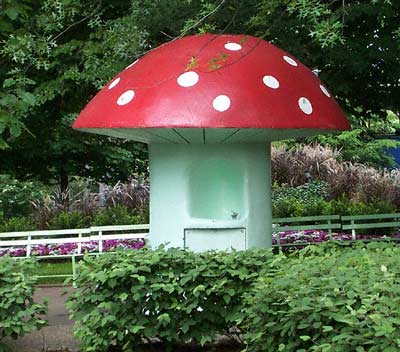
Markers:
<point>212,196</point>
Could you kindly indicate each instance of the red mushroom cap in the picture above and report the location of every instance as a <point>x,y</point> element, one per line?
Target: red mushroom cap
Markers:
<point>214,88</point>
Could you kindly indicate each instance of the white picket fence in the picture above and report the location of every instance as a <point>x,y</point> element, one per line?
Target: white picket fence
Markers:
<point>29,239</point>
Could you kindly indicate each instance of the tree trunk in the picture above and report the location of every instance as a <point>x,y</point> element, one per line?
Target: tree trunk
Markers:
<point>63,181</point>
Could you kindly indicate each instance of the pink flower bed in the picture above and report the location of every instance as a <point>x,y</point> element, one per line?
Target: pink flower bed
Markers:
<point>286,237</point>
<point>72,248</point>
<point>318,236</point>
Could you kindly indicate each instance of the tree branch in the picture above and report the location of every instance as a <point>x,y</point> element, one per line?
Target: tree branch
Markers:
<point>76,23</point>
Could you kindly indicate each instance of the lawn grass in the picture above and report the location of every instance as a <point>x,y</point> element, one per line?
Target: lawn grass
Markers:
<point>59,267</point>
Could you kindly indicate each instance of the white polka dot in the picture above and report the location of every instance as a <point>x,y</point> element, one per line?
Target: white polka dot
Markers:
<point>289,60</point>
<point>305,105</point>
<point>188,79</point>
<point>324,90</point>
<point>271,82</point>
<point>114,83</point>
<point>233,46</point>
<point>126,97</point>
<point>129,66</point>
<point>221,103</point>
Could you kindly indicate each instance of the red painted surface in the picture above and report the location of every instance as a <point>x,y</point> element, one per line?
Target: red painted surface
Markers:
<point>159,101</point>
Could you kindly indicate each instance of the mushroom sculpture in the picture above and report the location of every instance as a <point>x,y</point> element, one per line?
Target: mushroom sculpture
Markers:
<point>209,106</point>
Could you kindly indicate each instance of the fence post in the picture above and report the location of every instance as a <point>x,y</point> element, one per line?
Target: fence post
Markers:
<point>73,271</point>
<point>80,243</point>
<point>353,232</point>
<point>100,241</point>
<point>28,246</point>
<point>330,230</point>
<point>278,241</point>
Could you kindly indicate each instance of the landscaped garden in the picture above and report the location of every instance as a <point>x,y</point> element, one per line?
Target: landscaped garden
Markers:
<point>330,282</point>
<point>332,297</point>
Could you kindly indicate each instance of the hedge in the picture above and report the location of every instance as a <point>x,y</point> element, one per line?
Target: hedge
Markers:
<point>173,295</point>
<point>19,314</point>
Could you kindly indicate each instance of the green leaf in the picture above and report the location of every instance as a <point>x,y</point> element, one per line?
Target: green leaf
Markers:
<point>136,328</point>
<point>164,319</point>
<point>12,13</point>
<point>15,130</point>
<point>198,290</point>
<point>9,82</point>
<point>327,328</point>
<point>28,98</point>
<point>3,144</point>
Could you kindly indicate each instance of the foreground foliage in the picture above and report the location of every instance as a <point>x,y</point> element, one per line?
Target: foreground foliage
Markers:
<point>327,298</point>
<point>173,295</point>
<point>19,314</point>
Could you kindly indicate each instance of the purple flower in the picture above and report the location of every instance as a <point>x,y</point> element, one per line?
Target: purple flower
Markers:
<point>72,248</point>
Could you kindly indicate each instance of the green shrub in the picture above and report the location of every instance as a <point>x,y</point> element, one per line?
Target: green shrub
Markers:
<point>345,206</point>
<point>310,199</point>
<point>327,299</point>
<point>15,224</point>
<point>19,314</point>
<point>173,295</point>
<point>118,215</point>
<point>16,196</point>
<point>70,220</point>
<point>305,200</point>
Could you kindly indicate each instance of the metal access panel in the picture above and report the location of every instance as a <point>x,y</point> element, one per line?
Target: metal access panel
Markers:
<point>205,239</point>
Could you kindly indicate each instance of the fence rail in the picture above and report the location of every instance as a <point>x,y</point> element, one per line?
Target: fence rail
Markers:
<point>78,236</point>
<point>28,239</point>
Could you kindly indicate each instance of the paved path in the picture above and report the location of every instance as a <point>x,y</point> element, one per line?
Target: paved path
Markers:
<point>57,336</point>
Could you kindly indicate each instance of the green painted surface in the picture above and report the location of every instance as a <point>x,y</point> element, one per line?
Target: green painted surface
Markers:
<point>205,135</point>
<point>222,239</point>
<point>371,216</point>
<point>210,188</point>
<point>216,189</point>
<point>307,218</point>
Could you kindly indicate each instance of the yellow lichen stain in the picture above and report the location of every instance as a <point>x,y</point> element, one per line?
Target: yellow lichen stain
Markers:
<point>193,63</point>
<point>218,61</point>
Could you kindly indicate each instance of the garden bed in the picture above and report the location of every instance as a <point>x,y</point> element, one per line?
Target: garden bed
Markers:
<point>72,248</point>
<point>299,238</point>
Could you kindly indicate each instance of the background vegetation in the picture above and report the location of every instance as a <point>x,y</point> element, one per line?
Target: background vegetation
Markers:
<point>56,54</point>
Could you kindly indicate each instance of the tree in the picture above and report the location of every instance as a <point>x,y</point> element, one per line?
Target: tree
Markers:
<point>56,54</point>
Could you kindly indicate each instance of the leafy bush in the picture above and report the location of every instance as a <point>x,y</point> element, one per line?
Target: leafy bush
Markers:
<point>304,200</point>
<point>173,295</point>
<point>345,206</point>
<point>16,196</point>
<point>15,224</point>
<point>19,314</point>
<point>327,298</point>
<point>358,145</point>
<point>310,199</point>
<point>70,220</point>
<point>118,215</point>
